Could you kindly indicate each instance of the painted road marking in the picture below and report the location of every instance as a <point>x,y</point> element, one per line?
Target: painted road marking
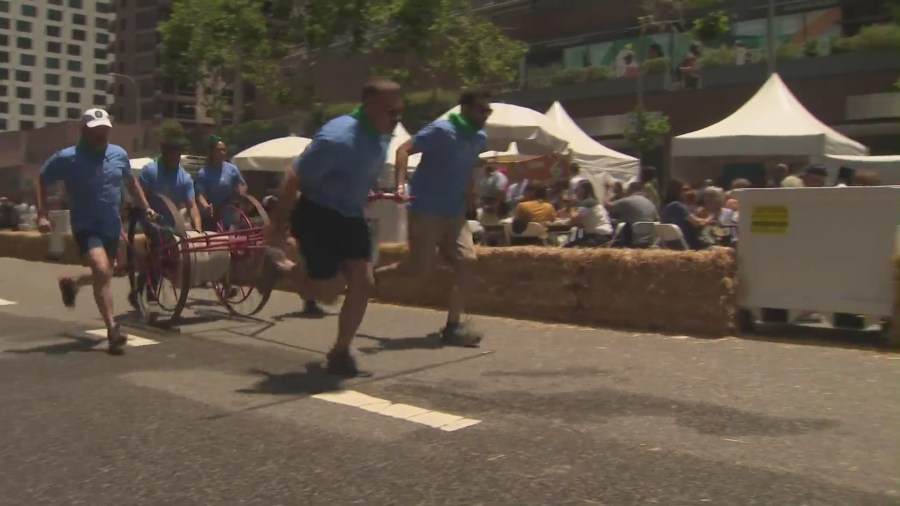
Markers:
<point>133,340</point>
<point>434,419</point>
<point>4,302</point>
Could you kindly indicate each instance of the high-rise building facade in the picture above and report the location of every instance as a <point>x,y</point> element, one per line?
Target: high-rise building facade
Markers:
<point>53,60</point>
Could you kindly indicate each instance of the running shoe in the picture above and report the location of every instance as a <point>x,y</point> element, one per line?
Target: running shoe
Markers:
<point>341,363</point>
<point>116,340</point>
<point>461,334</point>
<point>68,289</point>
<point>312,309</point>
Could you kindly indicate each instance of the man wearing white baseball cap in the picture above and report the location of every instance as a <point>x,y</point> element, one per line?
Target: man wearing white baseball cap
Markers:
<point>93,172</point>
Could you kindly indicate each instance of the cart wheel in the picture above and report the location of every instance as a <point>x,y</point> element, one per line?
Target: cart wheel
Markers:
<point>160,272</point>
<point>238,291</point>
<point>746,322</point>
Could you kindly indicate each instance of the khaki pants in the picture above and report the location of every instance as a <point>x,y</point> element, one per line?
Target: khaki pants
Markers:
<point>450,236</point>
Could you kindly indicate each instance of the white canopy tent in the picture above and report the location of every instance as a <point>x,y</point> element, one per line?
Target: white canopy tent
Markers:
<point>591,156</point>
<point>887,167</point>
<point>533,132</point>
<point>512,150</point>
<point>773,123</point>
<point>271,156</point>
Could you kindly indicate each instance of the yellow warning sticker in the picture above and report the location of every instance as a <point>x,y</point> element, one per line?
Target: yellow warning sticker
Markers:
<point>769,220</point>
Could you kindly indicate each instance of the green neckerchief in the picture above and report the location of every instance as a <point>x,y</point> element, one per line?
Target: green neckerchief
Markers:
<point>364,121</point>
<point>83,145</point>
<point>461,122</point>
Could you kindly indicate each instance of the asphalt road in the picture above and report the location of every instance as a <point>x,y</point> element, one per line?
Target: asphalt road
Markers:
<point>238,412</point>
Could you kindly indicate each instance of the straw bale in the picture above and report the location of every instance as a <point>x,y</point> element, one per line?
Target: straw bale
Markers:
<point>894,327</point>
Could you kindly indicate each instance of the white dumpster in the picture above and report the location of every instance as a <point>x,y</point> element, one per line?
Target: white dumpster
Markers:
<point>823,250</point>
<point>60,228</point>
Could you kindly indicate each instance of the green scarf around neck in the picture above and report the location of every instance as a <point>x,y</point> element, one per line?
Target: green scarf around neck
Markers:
<point>357,113</point>
<point>461,122</point>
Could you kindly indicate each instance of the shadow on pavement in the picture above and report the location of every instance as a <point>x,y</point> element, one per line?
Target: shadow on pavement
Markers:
<point>865,340</point>
<point>302,316</point>
<point>78,344</point>
<point>313,381</point>
<point>430,342</point>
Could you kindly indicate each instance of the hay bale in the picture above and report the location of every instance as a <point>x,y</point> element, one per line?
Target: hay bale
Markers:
<point>893,330</point>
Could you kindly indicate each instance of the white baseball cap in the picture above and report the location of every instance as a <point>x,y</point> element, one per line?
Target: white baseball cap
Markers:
<point>95,117</point>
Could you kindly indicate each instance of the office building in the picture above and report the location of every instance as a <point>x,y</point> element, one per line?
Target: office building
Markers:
<point>53,60</point>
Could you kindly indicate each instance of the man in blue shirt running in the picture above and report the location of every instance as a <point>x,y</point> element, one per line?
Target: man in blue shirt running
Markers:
<point>442,190</point>
<point>218,182</point>
<point>93,172</point>
<point>335,174</point>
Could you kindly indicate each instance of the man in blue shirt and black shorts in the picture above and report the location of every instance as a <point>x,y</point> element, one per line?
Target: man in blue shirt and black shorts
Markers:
<point>442,190</point>
<point>335,174</point>
<point>93,172</point>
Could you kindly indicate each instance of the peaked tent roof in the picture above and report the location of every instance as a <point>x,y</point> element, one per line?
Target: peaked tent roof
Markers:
<point>272,155</point>
<point>587,152</point>
<point>772,122</point>
<point>529,129</point>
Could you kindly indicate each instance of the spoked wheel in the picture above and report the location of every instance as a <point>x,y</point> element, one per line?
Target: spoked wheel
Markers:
<point>161,272</point>
<point>238,291</point>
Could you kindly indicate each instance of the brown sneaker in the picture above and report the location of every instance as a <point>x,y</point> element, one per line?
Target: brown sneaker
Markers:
<point>341,363</point>
<point>68,289</point>
<point>461,334</point>
<point>116,340</point>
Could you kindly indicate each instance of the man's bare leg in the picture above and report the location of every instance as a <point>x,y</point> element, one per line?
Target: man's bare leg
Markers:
<point>359,288</point>
<point>463,272</point>
<point>101,275</point>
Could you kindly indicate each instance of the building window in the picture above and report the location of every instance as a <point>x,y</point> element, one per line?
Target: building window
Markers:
<point>146,21</point>
<point>23,92</point>
<point>4,6</point>
<point>28,60</point>
<point>54,15</point>
<point>54,47</point>
<point>26,109</point>
<point>76,82</point>
<point>102,38</point>
<point>3,125</point>
<point>4,107</point>
<point>4,57</point>
<point>101,23</point>
<point>56,2</point>
<point>52,63</point>
<point>104,7</point>
<point>100,54</point>
<point>76,4</point>
<point>73,113</point>
<point>79,19</point>
<point>145,65</point>
<point>4,22</point>
<point>26,125</point>
<point>73,97</point>
<point>73,50</point>
<point>3,90</point>
<point>100,100</point>
<point>23,26</point>
<point>53,31</point>
<point>4,74</point>
<point>51,79</point>
<point>79,35</point>
<point>100,68</point>
<point>100,85</point>
<point>51,111</point>
<point>29,11</point>
<point>23,76</point>
<point>74,66</point>
<point>23,43</point>
<point>4,39</point>
<point>53,95</point>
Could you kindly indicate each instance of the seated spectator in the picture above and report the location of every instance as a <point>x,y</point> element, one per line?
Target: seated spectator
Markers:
<point>866,178</point>
<point>815,176</point>
<point>737,184</point>
<point>494,181</point>
<point>534,206</point>
<point>844,177</point>
<point>635,207</point>
<point>677,211</point>
<point>649,184</point>
<point>590,217</point>
<point>493,209</point>
<point>720,220</point>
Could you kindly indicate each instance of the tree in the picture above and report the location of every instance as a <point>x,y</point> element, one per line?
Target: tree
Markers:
<point>214,45</point>
<point>171,130</point>
<point>444,37</point>
<point>644,130</point>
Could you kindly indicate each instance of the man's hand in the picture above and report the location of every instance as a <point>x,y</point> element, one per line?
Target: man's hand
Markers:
<point>151,214</point>
<point>43,225</point>
<point>400,192</point>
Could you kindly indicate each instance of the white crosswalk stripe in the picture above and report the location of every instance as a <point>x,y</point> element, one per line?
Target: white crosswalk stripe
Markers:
<point>434,419</point>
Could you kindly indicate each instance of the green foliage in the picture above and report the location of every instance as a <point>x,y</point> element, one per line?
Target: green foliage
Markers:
<point>722,56</point>
<point>444,38</point>
<point>581,75</point>
<point>897,84</point>
<point>789,52</point>
<point>877,37</point>
<point>811,48</point>
<point>171,130</point>
<point>655,66</point>
<point>644,131</point>
<point>212,43</point>
<point>711,26</point>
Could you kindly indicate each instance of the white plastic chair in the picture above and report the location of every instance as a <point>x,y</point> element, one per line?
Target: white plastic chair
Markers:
<point>645,229</point>
<point>532,231</point>
<point>667,233</point>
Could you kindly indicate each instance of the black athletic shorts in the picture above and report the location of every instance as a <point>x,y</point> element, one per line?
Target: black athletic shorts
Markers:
<point>87,240</point>
<point>327,238</point>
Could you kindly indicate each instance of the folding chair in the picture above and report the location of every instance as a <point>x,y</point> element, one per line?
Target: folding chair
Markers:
<point>534,233</point>
<point>667,234</point>
<point>644,229</point>
<point>617,233</point>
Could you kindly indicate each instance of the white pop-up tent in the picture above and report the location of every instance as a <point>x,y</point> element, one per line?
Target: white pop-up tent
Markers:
<point>594,159</point>
<point>773,123</point>
<point>887,167</point>
<point>271,156</point>
<point>533,132</point>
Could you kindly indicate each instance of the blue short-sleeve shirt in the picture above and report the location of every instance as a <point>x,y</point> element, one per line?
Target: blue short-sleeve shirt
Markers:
<point>93,181</point>
<point>220,184</point>
<point>175,184</point>
<point>449,157</point>
<point>342,164</point>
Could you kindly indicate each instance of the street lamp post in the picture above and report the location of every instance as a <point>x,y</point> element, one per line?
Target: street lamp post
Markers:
<point>137,94</point>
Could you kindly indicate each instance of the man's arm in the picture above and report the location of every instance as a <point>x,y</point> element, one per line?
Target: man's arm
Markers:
<point>240,183</point>
<point>200,189</point>
<point>52,171</point>
<point>401,165</point>
<point>190,202</point>
<point>286,194</point>
<point>137,194</point>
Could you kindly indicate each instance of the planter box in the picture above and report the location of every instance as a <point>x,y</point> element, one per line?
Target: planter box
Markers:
<point>608,88</point>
